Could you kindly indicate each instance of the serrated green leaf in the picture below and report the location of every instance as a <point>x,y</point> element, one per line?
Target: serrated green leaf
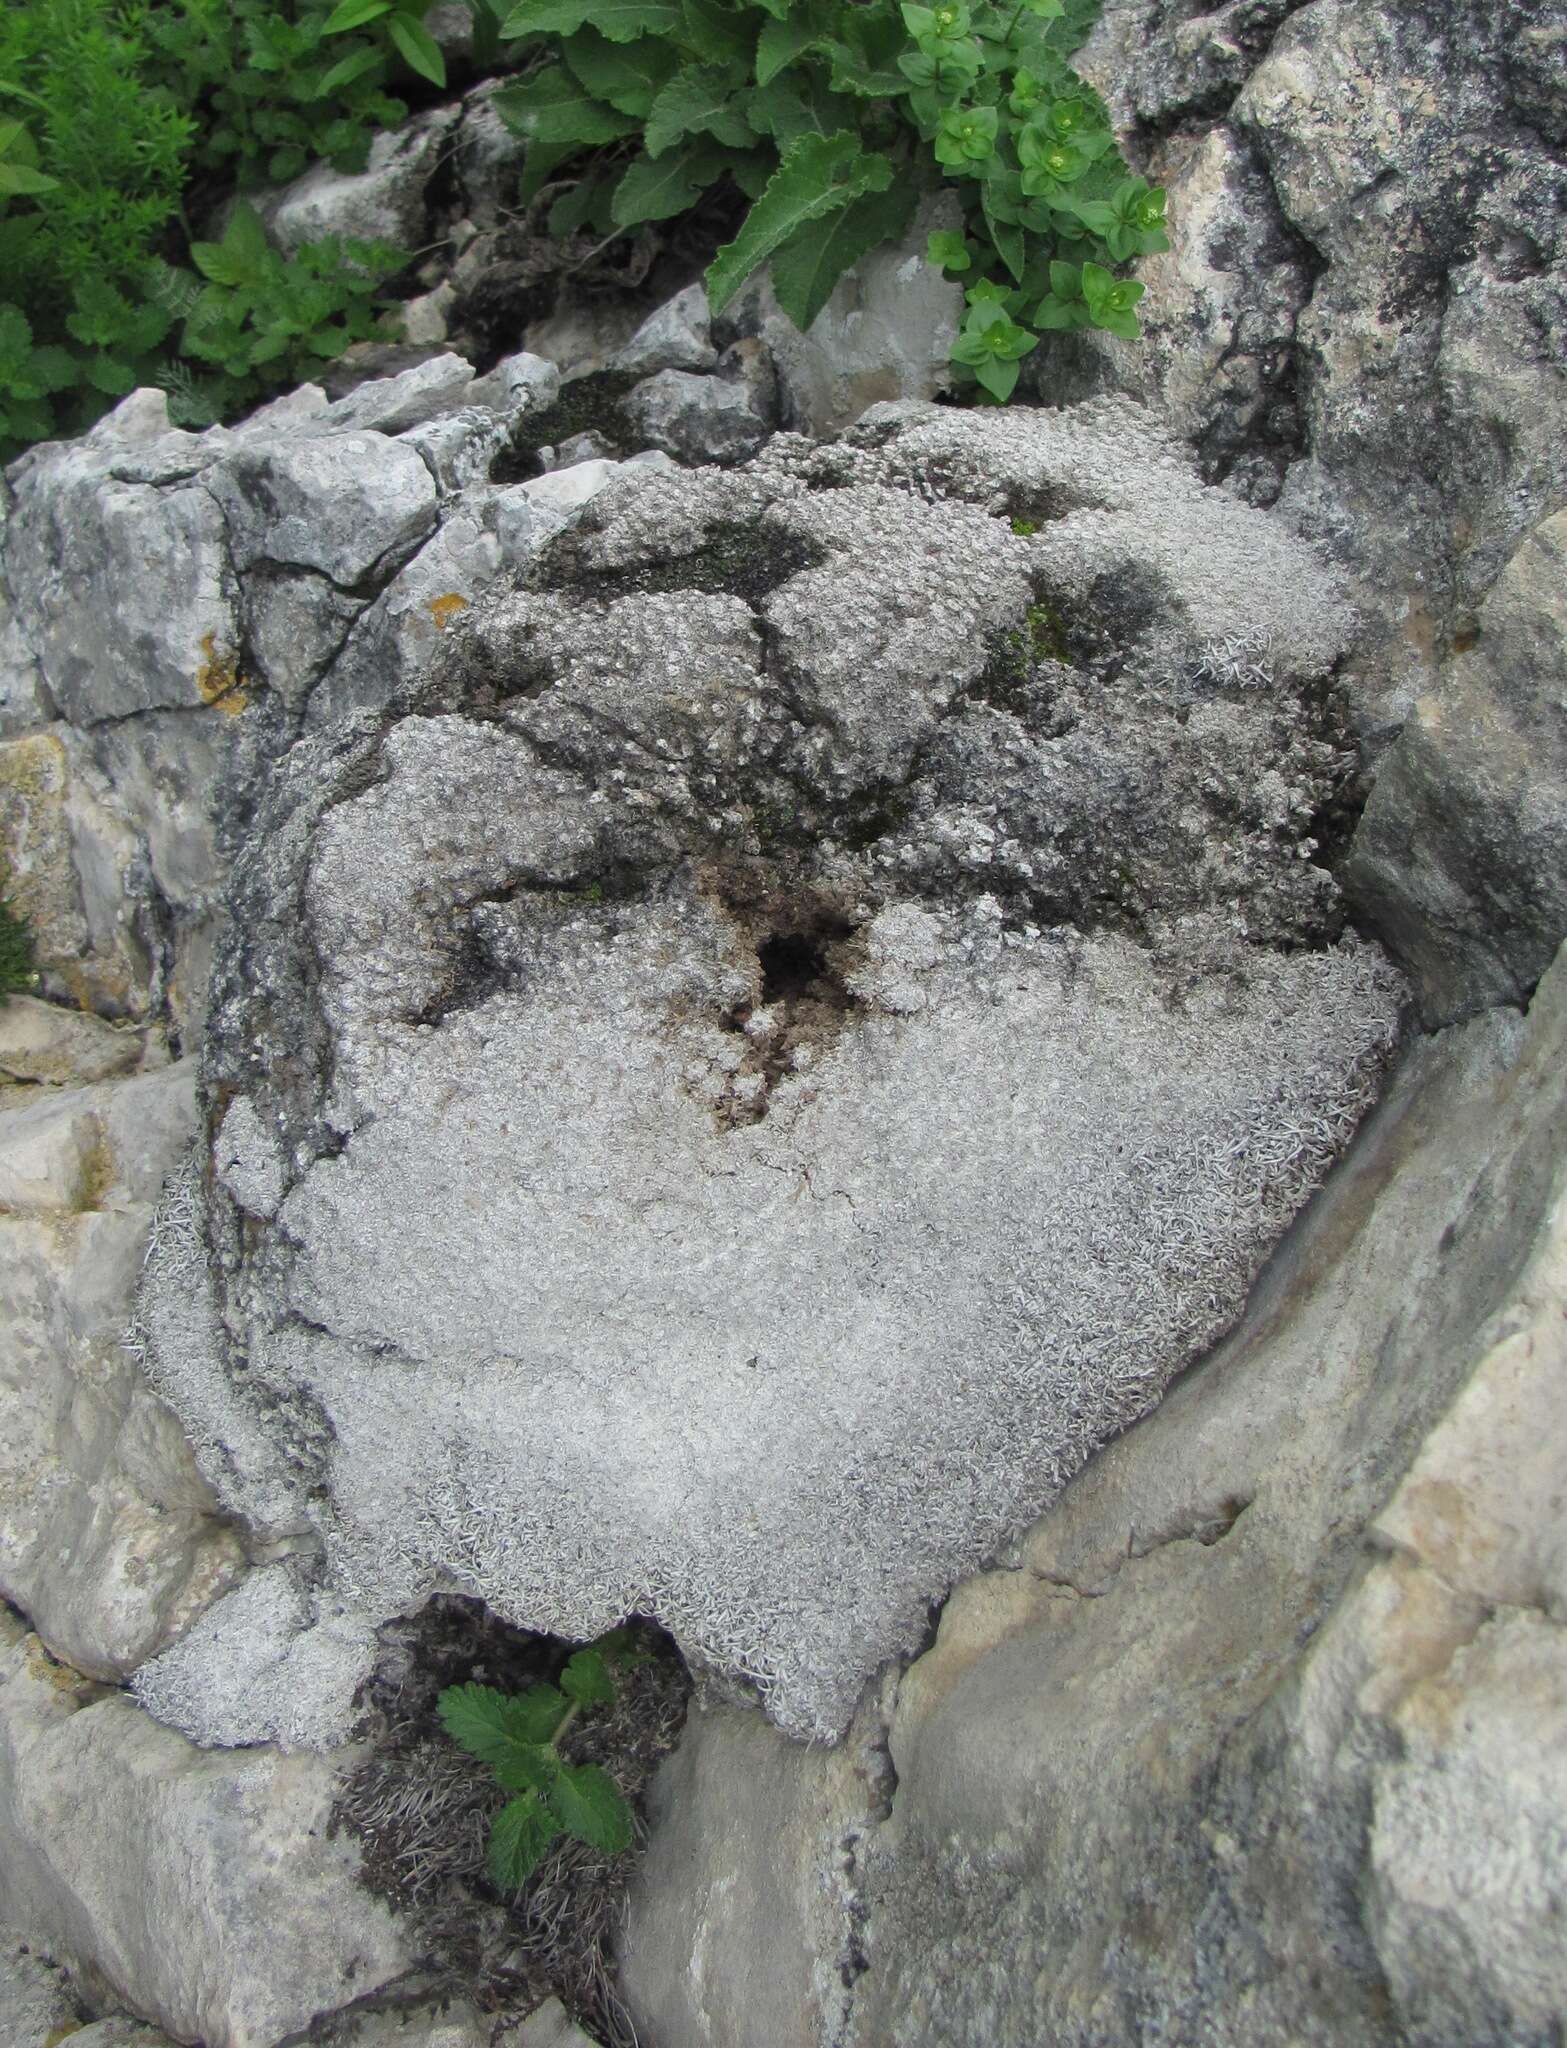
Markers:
<point>589,1805</point>
<point>586,1679</point>
<point>53,369</point>
<point>529,1767</point>
<point>657,188</point>
<point>621,20</point>
<point>520,1837</point>
<point>809,265</point>
<point>16,342</point>
<point>553,108</point>
<point>349,14</point>
<point>106,373</point>
<point>625,75</point>
<point>784,42</point>
<point>799,103</point>
<point>488,1723</point>
<point>717,34</point>
<point>699,100</point>
<point>819,173</point>
<point>418,48</point>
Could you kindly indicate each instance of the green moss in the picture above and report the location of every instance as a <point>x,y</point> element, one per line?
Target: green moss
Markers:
<point>1025,528</point>
<point>17,971</point>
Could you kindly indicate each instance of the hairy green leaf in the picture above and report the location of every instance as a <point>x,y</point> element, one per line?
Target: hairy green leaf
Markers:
<point>701,99</point>
<point>552,108</point>
<point>819,173</point>
<point>808,266</point>
<point>784,42</point>
<point>657,188</point>
<point>626,75</point>
<point>589,1804</point>
<point>520,1837</point>
<point>621,20</point>
<point>529,1767</point>
<point>488,1723</point>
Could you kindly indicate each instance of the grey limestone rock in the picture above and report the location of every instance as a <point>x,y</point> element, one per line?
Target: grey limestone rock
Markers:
<point>763,1073</point>
<point>1256,1735</point>
<point>204,1891</point>
<point>179,606</point>
<point>676,336</point>
<point>723,418</point>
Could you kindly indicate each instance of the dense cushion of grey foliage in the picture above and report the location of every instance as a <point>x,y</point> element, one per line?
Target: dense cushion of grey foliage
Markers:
<point>719,1100</point>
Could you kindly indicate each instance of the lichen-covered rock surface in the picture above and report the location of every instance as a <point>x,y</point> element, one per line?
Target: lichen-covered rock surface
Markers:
<point>722,1097</point>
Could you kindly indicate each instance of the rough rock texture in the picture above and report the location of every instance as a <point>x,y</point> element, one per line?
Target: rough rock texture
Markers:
<point>1462,853</point>
<point>723,418</point>
<point>1363,322</point>
<point>109,1538</point>
<point>36,2005</point>
<point>201,1889</point>
<point>182,605</point>
<point>1257,1735</point>
<point>755,895</point>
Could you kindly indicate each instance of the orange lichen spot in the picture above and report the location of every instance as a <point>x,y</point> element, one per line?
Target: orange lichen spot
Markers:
<point>219,680</point>
<point>443,608</point>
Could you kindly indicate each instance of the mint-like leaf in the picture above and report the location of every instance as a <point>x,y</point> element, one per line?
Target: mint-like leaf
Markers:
<point>520,1837</point>
<point>586,1680</point>
<point>488,1723</point>
<point>819,173</point>
<point>809,265</point>
<point>589,1805</point>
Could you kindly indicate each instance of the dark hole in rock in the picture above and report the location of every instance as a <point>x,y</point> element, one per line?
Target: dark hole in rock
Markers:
<point>585,405</point>
<point>792,963</point>
<point>420,1808</point>
<point>733,561</point>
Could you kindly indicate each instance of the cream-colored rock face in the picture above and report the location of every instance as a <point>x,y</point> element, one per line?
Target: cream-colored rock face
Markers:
<point>108,1536</point>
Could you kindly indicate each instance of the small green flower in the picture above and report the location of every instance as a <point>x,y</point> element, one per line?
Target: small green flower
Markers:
<point>1027,92</point>
<point>991,345</point>
<point>946,22</point>
<point>948,248</point>
<point>1110,301</point>
<point>966,135</point>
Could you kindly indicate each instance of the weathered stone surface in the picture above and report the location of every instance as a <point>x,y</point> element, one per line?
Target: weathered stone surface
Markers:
<point>454,2024</point>
<point>677,336</point>
<point>724,418</point>
<point>383,203</point>
<point>1262,1719</point>
<point>108,1536</point>
<point>787,870</point>
<point>1461,858</point>
<point>202,1890</point>
<point>68,850</point>
<point>36,2005</point>
<point>43,1043</point>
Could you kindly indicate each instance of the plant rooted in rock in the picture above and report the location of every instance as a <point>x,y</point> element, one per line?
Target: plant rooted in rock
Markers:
<point>519,1737</point>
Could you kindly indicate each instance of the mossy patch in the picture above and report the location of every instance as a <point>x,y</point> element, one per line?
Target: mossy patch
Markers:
<point>18,970</point>
<point>735,560</point>
<point>585,405</point>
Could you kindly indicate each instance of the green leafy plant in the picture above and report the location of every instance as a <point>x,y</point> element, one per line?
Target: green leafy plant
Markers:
<point>833,117</point>
<point>16,953</point>
<point>269,317</point>
<point>519,1735</point>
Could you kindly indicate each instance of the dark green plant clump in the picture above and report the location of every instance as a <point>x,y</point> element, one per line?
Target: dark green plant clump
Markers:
<point>17,971</point>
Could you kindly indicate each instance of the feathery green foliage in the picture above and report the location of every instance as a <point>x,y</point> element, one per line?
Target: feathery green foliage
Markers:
<point>833,116</point>
<point>16,952</point>
<point>518,1736</point>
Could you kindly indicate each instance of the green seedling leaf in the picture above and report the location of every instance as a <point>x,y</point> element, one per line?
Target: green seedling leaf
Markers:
<point>586,1679</point>
<point>344,73</point>
<point>520,1838</point>
<point>16,179</point>
<point>488,1724</point>
<point>819,173</point>
<point>622,21</point>
<point>418,48</point>
<point>808,266</point>
<point>698,100</point>
<point>589,1805</point>
<point>552,109</point>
